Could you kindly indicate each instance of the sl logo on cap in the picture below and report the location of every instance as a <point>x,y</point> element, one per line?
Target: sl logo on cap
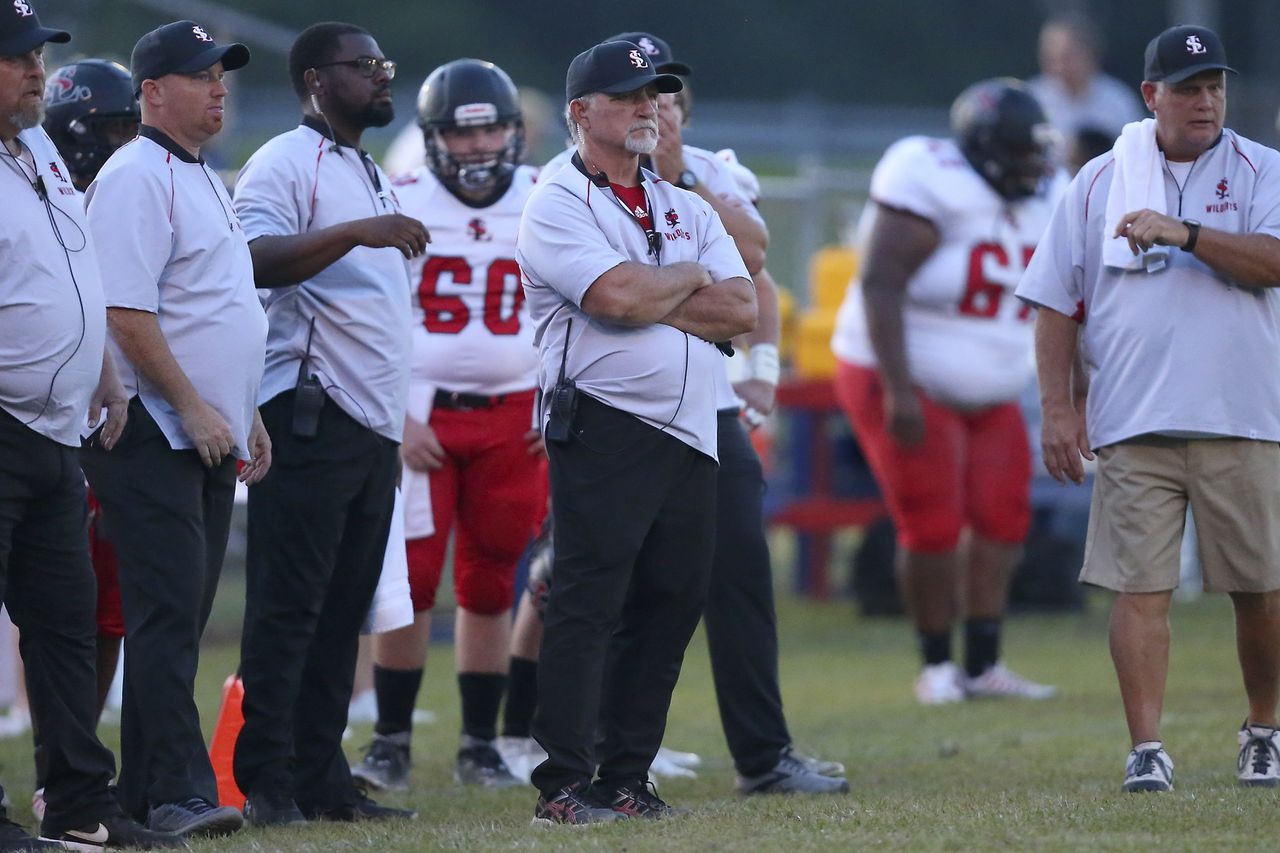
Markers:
<point>23,8</point>
<point>1194,45</point>
<point>637,60</point>
<point>647,45</point>
<point>201,34</point>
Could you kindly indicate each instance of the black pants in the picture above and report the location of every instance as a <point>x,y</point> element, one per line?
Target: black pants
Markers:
<point>742,629</point>
<point>169,516</point>
<point>47,583</point>
<point>635,528</point>
<point>318,526</point>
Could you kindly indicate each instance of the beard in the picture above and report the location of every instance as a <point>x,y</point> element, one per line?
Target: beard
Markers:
<point>643,145</point>
<point>375,115</point>
<point>32,116</point>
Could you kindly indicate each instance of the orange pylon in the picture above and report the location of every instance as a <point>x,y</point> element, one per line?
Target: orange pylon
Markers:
<point>222,748</point>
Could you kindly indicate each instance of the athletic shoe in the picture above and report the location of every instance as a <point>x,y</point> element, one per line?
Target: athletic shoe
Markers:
<point>272,808</point>
<point>385,766</point>
<point>363,809</point>
<point>664,767</point>
<point>195,817</point>
<point>521,755</point>
<point>113,832</point>
<point>1000,682</point>
<point>792,776</point>
<point>38,804</point>
<point>575,805</point>
<point>14,837</point>
<point>1149,768</point>
<point>642,801</point>
<point>683,759</point>
<point>821,766</point>
<point>480,764</point>
<point>1259,761</point>
<point>940,684</point>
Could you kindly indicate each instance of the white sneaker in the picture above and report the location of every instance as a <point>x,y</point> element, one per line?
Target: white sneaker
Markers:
<point>680,759</point>
<point>665,768</point>
<point>37,805</point>
<point>1000,682</point>
<point>521,755</point>
<point>1259,760</point>
<point>940,684</point>
<point>1148,768</point>
<point>363,708</point>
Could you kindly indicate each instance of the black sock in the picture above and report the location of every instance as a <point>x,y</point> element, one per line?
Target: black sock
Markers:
<point>981,645</point>
<point>397,692</point>
<point>522,697</point>
<point>936,648</point>
<point>481,696</point>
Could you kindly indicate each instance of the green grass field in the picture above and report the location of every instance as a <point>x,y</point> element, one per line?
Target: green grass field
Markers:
<point>975,777</point>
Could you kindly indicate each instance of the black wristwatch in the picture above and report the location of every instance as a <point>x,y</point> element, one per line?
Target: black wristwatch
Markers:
<point>1193,233</point>
<point>687,180</point>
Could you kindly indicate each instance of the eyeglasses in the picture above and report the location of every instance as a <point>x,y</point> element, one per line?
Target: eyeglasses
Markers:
<point>366,65</point>
<point>206,77</point>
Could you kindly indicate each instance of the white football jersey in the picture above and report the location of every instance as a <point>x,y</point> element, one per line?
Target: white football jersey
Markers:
<point>471,330</point>
<point>968,340</point>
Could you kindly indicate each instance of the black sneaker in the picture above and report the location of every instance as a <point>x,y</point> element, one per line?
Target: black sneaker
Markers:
<point>361,810</point>
<point>14,837</point>
<point>792,775</point>
<point>480,764</point>
<point>385,766</point>
<point>113,832</point>
<point>271,808</point>
<point>195,816</point>
<point>641,800</point>
<point>575,805</point>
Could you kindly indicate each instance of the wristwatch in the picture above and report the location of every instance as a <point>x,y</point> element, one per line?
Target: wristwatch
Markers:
<point>1193,233</point>
<point>687,180</point>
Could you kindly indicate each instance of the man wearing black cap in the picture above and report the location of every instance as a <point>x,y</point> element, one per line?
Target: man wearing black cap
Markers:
<point>185,318</point>
<point>628,279</point>
<point>54,383</point>
<point>1176,288</point>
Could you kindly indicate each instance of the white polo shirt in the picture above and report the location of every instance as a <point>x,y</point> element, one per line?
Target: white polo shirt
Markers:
<point>52,315</point>
<point>169,243</point>
<point>1184,350</point>
<point>298,182</point>
<point>573,232</point>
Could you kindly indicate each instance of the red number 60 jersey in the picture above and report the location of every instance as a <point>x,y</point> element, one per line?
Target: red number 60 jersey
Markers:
<point>968,339</point>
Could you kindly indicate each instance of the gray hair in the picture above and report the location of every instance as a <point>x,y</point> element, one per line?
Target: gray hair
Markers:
<point>575,132</point>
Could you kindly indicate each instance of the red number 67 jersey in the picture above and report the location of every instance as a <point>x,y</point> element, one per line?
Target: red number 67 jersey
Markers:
<point>968,339</point>
<point>471,330</point>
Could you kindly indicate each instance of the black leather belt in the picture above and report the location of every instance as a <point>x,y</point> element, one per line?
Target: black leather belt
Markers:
<point>465,402</point>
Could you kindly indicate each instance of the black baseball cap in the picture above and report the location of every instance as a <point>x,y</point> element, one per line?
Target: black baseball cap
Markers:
<point>182,47</point>
<point>20,30</point>
<point>615,67</point>
<point>1184,51</point>
<point>658,51</point>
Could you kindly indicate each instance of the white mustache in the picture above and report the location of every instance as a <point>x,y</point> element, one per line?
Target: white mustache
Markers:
<point>644,125</point>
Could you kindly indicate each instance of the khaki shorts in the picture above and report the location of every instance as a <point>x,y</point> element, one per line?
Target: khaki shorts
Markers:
<point>1138,511</point>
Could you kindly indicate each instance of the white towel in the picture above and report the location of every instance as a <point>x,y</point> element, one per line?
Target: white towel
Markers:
<point>1138,183</point>
<point>392,606</point>
<point>419,520</point>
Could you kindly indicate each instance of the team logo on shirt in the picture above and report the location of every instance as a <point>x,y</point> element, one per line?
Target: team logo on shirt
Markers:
<point>476,230</point>
<point>638,60</point>
<point>1226,204</point>
<point>672,219</point>
<point>53,167</point>
<point>201,34</point>
<point>1222,188</point>
<point>1194,45</point>
<point>23,8</point>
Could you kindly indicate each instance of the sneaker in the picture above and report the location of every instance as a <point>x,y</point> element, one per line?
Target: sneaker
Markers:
<point>521,755</point>
<point>14,837</point>
<point>480,764</point>
<point>940,684</point>
<point>363,809</point>
<point>195,817</point>
<point>38,805</point>
<point>642,801</point>
<point>385,766</point>
<point>1259,761</point>
<point>792,776</point>
<point>821,766</point>
<point>682,759</point>
<point>272,808</point>
<point>1149,768</point>
<point>999,682</point>
<point>664,767</point>
<point>575,805</point>
<point>113,832</point>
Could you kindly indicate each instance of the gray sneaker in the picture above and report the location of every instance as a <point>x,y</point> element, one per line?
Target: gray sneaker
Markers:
<point>385,766</point>
<point>193,817</point>
<point>1148,768</point>
<point>1259,759</point>
<point>818,765</point>
<point>792,776</point>
<point>480,764</point>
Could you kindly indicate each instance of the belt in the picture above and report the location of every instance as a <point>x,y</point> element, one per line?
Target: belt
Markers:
<point>466,402</point>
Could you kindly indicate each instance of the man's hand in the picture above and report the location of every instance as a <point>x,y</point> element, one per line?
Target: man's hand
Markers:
<point>1146,228</point>
<point>395,230</point>
<point>1063,441</point>
<point>259,453</point>
<point>760,397</point>
<point>904,417</point>
<point>110,395</point>
<point>533,438</point>
<point>208,431</point>
<point>668,157</point>
<point>421,450</point>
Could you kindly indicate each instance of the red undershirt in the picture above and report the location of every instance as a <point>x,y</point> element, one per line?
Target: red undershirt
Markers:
<point>634,199</point>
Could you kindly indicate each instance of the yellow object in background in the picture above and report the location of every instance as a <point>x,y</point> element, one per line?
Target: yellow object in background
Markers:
<point>830,272</point>
<point>813,358</point>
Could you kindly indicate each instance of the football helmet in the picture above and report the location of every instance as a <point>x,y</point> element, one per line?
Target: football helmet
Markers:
<point>1002,131</point>
<point>471,93</point>
<point>90,111</point>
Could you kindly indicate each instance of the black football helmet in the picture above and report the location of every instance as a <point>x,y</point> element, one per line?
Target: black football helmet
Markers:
<point>471,93</point>
<point>90,111</point>
<point>1003,133</point>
